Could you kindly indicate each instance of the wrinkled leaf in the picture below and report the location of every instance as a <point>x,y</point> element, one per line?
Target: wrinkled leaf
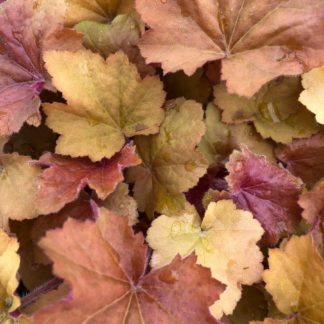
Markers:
<point>304,158</point>
<point>18,185</point>
<point>121,203</point>
<point>257,41</point>
<point>312,97</point>
<point>64,178</point>
<point>275,110</point>
<point>300,269</point>
<point>27,28</point>
<point>225,241</point>
<point>101,119</point>
<point>112,262</point>
<point>220,139</point>
<point>267,190</point>
<point>121,34</point>
<point>98,10</point>
<point>9,264</point>
<point>171,162</point>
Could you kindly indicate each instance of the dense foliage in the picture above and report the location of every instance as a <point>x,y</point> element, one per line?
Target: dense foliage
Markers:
<point>162,161</point>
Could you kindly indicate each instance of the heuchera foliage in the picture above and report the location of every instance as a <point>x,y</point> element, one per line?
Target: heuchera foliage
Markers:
<point>162,161</point>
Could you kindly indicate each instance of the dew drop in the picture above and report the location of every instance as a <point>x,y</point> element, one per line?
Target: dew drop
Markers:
<point>163,1</point>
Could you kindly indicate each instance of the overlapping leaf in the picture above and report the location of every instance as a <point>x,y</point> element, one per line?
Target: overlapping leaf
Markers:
<point>220,139</point>
<point>225,241</point>
<point>267,190</point>
<point>108,272</point>
<point>18,186</point>
<point>300,294</point>
<point>27,28</point>
<point>96,120</point>
<point>304,158</point>
<point>312,97</point>
<point>9,264</point>
<point>35,267</point>
<point>313,204</point>
<point>258,41</point>
<point>96,10</point>
<point>64,178</point>
<point>275,110</point>
<point>122,33</point>
<point>121,203</point>
<point>171,162</point>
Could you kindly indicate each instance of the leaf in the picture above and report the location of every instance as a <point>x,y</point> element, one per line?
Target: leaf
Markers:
<point>225,241</point>
<point>64,178</point>
<point>121,203</point>
<point>267,190</point>
<point>171,163</point>
<point>35,267</point>
<point>9,264</point>
<point>100,119</point>
<point>257,42</point>
<point>304,158</point>
<point>275,110</point>
<point>312,203</point>
<point>98,10</point>
<point>17,188</point>
<point>111,260</point>
<point>122,33</point>
<point>27,28</point>
<point>301,271</point>
<point>220,139</point>
<point>312,97</point>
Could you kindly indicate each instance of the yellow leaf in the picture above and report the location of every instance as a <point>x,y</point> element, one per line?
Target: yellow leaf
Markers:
<point>171,162</point>
<point>122,33</point>
<point>17,188</point>
<point>225,241</point>
<point>275,110</point>
<point>121,203</point>
<point>313,95</point>
<point>98,10</point>
<point>9,264</point>
<point>220,139</point>
<point>107,100</point>
<point>295,280</point>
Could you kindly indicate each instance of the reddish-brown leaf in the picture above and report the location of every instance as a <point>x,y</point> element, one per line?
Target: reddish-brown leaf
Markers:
<point>27,28</point>
<point>257,40</point>
<point>105,262</point>
<point>65,177</point>
<point>313,204</point>
<point>267,190</point>
<point>304,158</point>
<point>35,266</point>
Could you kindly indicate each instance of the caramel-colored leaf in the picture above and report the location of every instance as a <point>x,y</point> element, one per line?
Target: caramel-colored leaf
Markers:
<point>106,269</point>
<point>257,41</point>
